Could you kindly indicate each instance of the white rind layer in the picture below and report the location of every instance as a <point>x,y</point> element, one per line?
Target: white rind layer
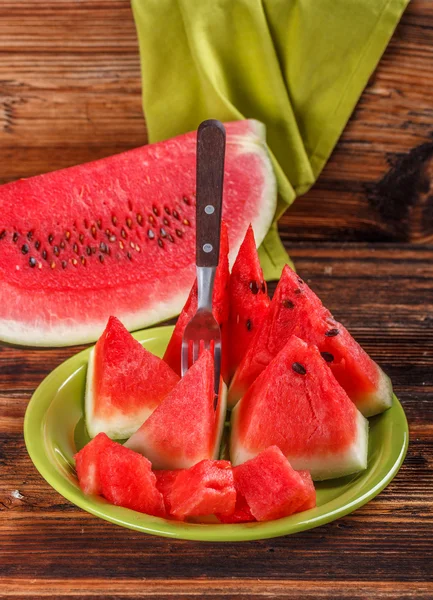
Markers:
<point>321,466</point>
<point>378,401</point>
<point>139,443</point>
<point>50,330</point>
<point>119,426</point>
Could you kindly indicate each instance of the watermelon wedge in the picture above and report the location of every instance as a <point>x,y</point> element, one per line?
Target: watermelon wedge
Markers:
<point>117,236</point>
<point>220,309</point>
<point>164,483</point>
<point>271,488</point>
<point>125,383</point>
<point>185,428</point>
<point>204,489</point>
<point>87,463</point>
<point>296,310</point>
<point>248,300</point>
<point>297,404</point>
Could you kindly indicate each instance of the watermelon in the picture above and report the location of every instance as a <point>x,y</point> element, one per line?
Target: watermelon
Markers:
<point>271,488</point>
<point>87,462</point>
<point>204,489</point>
<point>248,300</point>
<point>220,309</point>
<point>117,236</point>
<point>164,483</point>
<point>125,383</point>
<point>297,404</point>
<point>127,480</point>
<point>185,428</point>
<point>295,309</point>
<point>241,514</point>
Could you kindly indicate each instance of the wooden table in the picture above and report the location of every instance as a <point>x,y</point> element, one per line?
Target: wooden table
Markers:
<point>70,92</point>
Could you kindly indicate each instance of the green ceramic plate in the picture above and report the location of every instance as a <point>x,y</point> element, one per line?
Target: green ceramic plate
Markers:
<point>54,430</point>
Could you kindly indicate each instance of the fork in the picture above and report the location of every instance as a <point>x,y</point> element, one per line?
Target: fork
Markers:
<point>203,330</point>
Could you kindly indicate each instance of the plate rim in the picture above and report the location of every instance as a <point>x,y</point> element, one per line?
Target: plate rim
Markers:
<point>143,523</point>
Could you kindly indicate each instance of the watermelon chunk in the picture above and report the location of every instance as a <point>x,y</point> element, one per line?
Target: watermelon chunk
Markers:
<point>220,309</point>
<point>248,300</point>
<point>164,483</point>
<point>87,462</point>
<point>127,480</point>
<point>297,404</point>
<point>117,236</point>
<point>241,514</point>
<point>125,383</point>
<point>204,489</point>
<point>296,310</point>
<point>272,488</point>
<point>185,428</point>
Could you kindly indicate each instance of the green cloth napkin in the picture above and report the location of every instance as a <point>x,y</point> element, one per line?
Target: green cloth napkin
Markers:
<point>299,66</point>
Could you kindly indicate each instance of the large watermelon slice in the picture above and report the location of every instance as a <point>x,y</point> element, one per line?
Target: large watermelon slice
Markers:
<point>248,300</point>
<point>295,309</point>
<point>185,428</point>
<point>220,309</point>
<point>125,383</point>
<point>297,404</point>
<point>272,488</point>
<point>117,236</point>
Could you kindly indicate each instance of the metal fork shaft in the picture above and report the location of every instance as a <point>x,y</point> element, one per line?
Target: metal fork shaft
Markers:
<point>205,281</point>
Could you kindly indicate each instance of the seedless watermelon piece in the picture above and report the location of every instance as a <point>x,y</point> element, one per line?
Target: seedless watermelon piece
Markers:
<point>204,489</point>
<point>87,462</point>
<point>296,310</point>
<point>125,383</point>
<point>164,483</point>
<point>220,308</point>
<point>297,404</point>
<point>272,488</point>
<point>127,480</point>
<point>248,299</point>
<point>117,236</point>
<point>185,428</point>
<point>241,514</point>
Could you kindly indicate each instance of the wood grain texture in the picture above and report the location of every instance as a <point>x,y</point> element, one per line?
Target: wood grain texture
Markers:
<point>362,238</point>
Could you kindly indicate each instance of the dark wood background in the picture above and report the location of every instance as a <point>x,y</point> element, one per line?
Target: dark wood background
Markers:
<point>70,92</point>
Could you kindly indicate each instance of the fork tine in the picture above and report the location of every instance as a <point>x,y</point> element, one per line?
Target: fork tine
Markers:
<point>217,363</point>
<point>195,347</point>
<point>184,357</point>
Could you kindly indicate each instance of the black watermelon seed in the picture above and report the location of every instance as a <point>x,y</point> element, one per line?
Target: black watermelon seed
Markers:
<point>155,210</point>
<point>152,220</point>
<point>327,356</point>
<point>107,232</point>
<point>160,243</point>
<point>81,238</point>
<point>86,224</point>
<point>15,237</point>
<point>64,264</point>
<point>103,247</point>
<point>163,232</point>
<point>93,250</point>
<point>249,325</point>
<point>288,304</point>
<point>179,233</point>
<point>56,250</point>
<point>75,248</point>
<point>112,238</point>
<point>93,230</point>
<point>101,258</point>
<point>254,287</point>
<point>166,222</point>
<point>264,289</point>
<point>176,214</point>
<point>170,237</point>
<point>128,254</point>
<point>167,210</point>
<point>114,220</point>
<point>99,223</point>
<point>89,250</point>
<point>24,249</point>
<point>44,254</point>
<point>50,238</point>
<point>38,245</point>
<point>298,368</point>
<point>332,332</point>
<point>74,262</point>
<point>129,222</point>
<point>139,219</point>
<point>68,235</point>
<point>123,234</point>
<point>297,291</point>
<point>29,235</point>
<point>53,265</point>
<point>62,244</point>
<point>83,261</point>
<point>300,281</point>
<point>32,262</point>
<point>186,222</point>
<point>3,234</point>
<point>186,200</point>
<point>150,234</point>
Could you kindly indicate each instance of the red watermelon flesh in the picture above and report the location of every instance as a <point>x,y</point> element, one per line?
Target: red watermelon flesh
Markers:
<point>296,310</point>
<point>125,383</point>
<point>297,404</point>
<point>127,480</point>
<point>241,514</point>
<point>87,462</point>
<point>204,489</point>
<point>117,236</point>
<point>185,428</point>
<point>272,488</point>
<point>248,300</point>
<point>164,483</point>
<point>220,309</point>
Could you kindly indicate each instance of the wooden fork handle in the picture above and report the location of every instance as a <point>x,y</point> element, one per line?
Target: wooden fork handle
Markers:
<point>211,142</point>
